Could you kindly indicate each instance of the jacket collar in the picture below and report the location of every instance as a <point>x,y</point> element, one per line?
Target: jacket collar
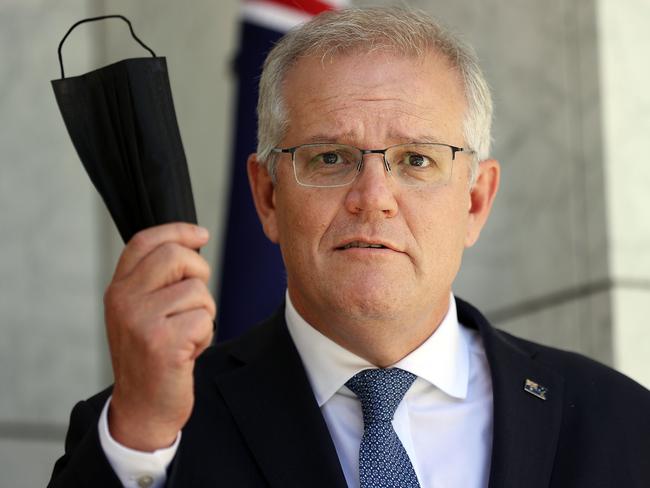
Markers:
<point>526,428</point>
<point>280,419</point>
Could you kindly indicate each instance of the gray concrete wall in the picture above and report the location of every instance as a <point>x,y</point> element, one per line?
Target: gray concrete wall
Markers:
<point>51,332</point>
<point>538,269</point>
<point>625,78</point>
<point>58,246</point>
<point>564,259</point>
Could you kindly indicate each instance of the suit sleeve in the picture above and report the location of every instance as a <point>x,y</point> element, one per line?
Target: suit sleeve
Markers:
<point>84,462</point>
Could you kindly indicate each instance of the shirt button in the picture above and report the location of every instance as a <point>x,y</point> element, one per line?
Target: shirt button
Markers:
<point>145,481</point>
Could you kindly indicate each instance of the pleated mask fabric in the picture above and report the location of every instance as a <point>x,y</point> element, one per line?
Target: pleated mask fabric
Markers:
<point>122,122</point>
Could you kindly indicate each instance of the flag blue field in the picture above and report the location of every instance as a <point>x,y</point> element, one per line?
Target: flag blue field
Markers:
<point>252,281</point>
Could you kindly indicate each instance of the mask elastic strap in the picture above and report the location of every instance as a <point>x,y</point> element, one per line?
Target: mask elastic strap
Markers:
<point>92,19</point>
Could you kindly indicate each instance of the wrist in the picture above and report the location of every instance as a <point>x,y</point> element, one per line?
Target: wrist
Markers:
<point>139,431</point>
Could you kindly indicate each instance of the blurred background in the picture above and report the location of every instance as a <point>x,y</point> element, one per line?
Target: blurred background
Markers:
<point>564,260</point>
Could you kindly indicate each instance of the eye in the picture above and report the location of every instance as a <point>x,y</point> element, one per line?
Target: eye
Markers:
<point>329,158</point>
<point>337,157</point>
<point>417,160</point>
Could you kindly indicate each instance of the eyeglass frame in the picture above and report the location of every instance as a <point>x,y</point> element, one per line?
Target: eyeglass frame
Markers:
<point>292,151</point>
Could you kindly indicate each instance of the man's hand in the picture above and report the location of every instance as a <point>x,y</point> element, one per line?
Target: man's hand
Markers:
<point>159,315</point>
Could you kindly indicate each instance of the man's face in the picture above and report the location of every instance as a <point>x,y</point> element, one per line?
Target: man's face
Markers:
<point>371,101</point>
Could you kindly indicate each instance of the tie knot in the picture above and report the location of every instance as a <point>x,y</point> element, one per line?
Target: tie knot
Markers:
<point>380,391</point>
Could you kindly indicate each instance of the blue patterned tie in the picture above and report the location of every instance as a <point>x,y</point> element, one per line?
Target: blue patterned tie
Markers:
<point>383,461</point>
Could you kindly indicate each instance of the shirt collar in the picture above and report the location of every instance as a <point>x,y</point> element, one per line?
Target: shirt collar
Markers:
<point>442,360</point>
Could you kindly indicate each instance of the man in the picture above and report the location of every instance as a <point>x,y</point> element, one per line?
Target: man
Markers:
<point>373,175</point>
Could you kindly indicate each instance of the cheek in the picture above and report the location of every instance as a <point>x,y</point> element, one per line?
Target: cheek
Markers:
<point>440,229</point>
<point>302,222</point>
<point>457,223</point>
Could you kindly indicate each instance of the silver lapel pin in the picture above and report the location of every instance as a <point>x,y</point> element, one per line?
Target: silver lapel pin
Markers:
<point>535,389</point>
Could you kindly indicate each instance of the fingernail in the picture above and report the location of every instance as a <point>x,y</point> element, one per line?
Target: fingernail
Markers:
<point>202,232</point>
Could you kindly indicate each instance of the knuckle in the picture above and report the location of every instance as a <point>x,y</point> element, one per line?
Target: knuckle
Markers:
<point>202,328</point>
<point>140,241</point>
<point>178,358</point>
<point>182,228</point>
<point>206,318</point>
<point>200,319</point>
<point>109,296</point>
<point>206,268</point>
<point>113,297</point>
<point>212,308</point>
<point>180,231</point>
<point>169,252</point>
<point>204,263</point>
<point>195,286</point>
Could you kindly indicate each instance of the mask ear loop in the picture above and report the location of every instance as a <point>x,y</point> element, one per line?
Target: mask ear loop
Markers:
<point>92,19</point>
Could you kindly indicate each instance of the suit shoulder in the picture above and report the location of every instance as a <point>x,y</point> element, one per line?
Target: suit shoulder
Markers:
<point>216,358</point>
<point>227,355</point>
<point>582,372</point>
<point>98,400</point>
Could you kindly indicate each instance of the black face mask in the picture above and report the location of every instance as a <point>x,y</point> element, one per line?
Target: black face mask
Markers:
<point>122,123</point>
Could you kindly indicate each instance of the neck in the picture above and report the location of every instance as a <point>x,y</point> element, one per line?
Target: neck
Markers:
<point>382,341</point>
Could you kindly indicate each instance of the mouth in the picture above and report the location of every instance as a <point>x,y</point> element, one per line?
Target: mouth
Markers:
<point>360,244</point>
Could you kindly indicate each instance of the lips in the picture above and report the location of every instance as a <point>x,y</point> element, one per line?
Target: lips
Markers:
<point>365,244</point>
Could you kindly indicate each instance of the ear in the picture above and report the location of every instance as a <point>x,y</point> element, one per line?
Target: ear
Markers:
<point>263,191</point>
<point>481,198</point>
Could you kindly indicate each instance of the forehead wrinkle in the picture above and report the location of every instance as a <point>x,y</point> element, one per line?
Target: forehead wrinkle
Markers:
<point>334,119</point>
<point>392,135</point>
<point>414,110</point>
<point>351,100</point>
<point>330,138</point>
<point>337,132</point>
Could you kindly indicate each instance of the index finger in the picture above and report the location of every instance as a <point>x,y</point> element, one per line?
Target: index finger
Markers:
<point>145,241</point>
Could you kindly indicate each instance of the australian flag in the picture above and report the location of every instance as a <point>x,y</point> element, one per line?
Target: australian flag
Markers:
<point>252,282</point>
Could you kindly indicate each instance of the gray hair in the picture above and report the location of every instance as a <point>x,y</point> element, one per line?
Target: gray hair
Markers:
<point>406,32</point>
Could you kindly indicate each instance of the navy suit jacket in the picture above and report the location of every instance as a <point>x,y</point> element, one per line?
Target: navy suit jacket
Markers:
<point>256,422</point>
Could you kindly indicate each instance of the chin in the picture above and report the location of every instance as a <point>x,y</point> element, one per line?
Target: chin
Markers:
<point>369,303</point>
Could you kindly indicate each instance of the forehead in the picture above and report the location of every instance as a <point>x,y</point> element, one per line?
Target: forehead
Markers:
<point>374,98</point>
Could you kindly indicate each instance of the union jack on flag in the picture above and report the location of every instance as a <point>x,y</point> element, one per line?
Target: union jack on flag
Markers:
<point>252,282</point>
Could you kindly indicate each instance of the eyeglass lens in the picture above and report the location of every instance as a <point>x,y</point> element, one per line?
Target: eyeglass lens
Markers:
<point>337,164</point>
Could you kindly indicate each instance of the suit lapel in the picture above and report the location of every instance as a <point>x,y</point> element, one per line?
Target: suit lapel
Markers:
<point>285,431</point>
<point>526,427</point>
<point>279,418</point>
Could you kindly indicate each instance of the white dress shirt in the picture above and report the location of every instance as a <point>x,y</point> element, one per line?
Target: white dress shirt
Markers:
<point>135,469</point>
<point>444,420</point>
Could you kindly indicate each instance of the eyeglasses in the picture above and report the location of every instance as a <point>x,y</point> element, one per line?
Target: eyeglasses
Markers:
<point>331,165</point>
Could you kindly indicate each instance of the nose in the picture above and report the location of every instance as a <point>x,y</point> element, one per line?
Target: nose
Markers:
<point>373,191</point>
